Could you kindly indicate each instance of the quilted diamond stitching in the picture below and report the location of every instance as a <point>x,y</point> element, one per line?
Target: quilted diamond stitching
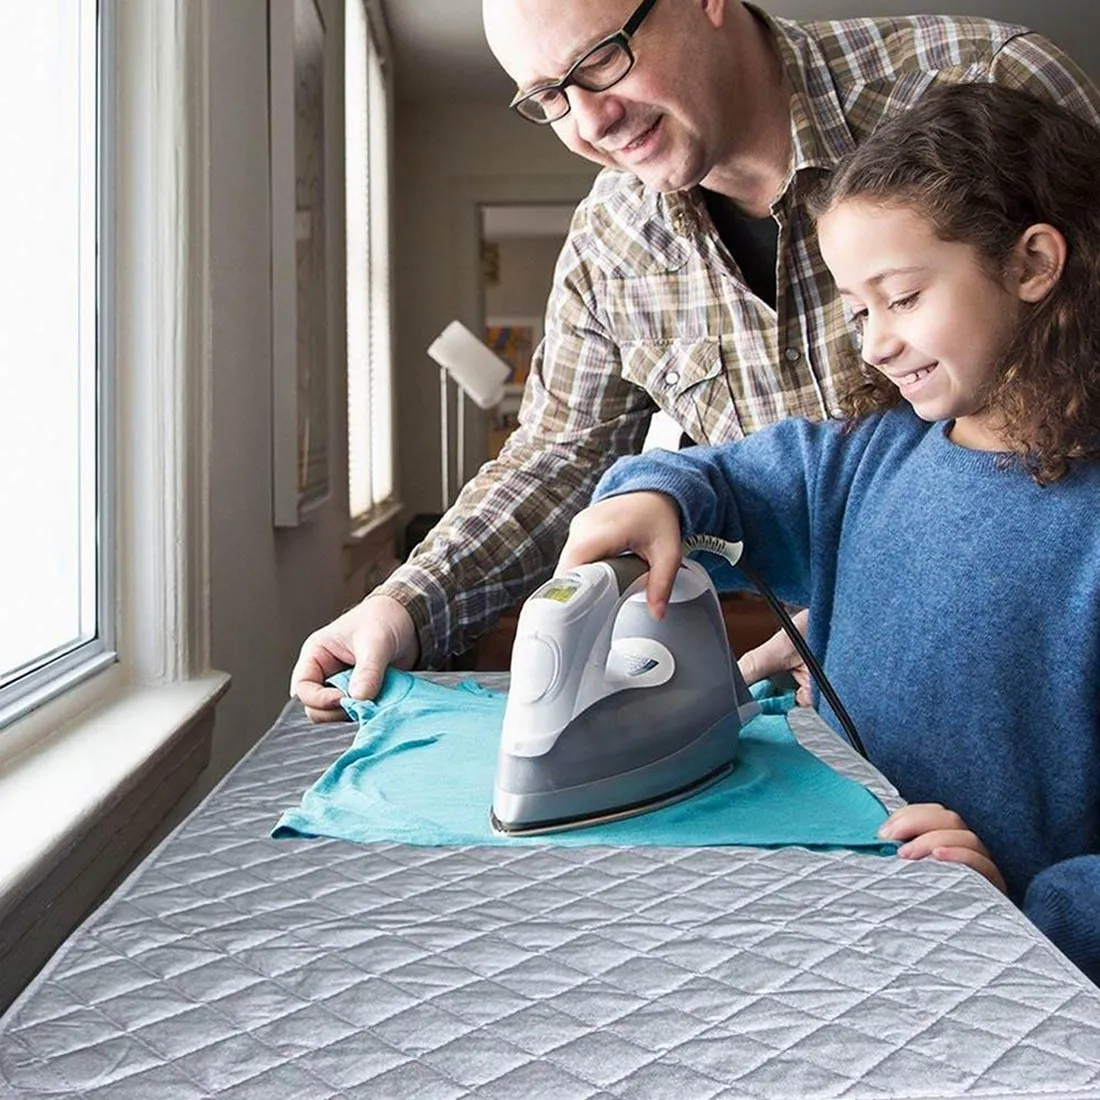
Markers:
<point>232,966</point>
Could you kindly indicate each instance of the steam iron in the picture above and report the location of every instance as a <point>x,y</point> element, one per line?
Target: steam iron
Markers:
<point>611,713</point>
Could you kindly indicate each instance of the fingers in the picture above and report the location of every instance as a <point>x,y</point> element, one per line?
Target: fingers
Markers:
<point>924,845</point>
<point>803,695</point>
<point>759,663</point>
<point>336,714</point>
<point>777,654</point>
<point>366,679</point>
<point>920,817</point>
<point>594,536</point>
<point>955,846</point>
<point>648,524</point>
<point>983,864</point>
<point>658,587</point>
<point>321,702</point>
<point>929,830</point>
<point>369,637</point>
<point>320,657</point>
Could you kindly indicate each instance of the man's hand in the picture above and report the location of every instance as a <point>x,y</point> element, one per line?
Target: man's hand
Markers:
<point>370,636</point>
<point>647,524</point>
<point>930,829</point>
<point>778,654</point>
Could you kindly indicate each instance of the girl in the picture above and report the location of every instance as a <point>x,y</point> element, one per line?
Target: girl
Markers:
<point>946,536</point>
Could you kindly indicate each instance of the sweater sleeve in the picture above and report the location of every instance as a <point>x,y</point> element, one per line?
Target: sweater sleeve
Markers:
<point>1063,901</point>
<point>768,491</point>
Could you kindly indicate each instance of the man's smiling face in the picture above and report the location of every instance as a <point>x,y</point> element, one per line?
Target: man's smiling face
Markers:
<point>661,121</point>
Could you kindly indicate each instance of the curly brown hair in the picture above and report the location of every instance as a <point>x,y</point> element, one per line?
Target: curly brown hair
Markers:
<point>983,163</point>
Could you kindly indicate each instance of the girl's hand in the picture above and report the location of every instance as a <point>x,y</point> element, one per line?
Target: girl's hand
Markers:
<point>929,829</point>
<point>646,524</point>
<point>778,654</point>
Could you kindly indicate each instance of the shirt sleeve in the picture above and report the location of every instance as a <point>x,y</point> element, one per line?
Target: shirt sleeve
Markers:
<point>781,492</point>
<point>1034,63</point>
<point>503,534</point>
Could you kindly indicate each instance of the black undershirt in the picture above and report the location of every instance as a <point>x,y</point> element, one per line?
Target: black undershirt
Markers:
<point>753,243</point>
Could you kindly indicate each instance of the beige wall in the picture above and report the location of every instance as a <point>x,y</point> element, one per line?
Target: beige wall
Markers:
<point>447,160</point>
<point>269,588</point>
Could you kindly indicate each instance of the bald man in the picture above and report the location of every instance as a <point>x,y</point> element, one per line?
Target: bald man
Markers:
<point>690,281</point>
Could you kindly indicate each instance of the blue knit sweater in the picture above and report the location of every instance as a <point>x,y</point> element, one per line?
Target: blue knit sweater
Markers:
<point>955,605</point>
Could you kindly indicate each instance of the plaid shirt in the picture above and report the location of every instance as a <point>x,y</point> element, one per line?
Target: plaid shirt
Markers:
<point>649,310</point>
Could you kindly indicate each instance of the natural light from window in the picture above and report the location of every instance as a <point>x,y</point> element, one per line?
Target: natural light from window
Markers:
<point>49,446</point>
<point>370,417</point>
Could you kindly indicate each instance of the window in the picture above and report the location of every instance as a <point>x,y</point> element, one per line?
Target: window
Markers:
<point>370,403</point>
<point>54,580</point>
<point>105,382</point>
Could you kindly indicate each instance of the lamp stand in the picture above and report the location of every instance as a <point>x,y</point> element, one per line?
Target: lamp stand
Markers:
<point>444,441</point>
<point>445,438</point>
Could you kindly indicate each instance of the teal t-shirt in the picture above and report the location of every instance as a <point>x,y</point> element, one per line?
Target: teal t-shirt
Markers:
<point>421,768</point>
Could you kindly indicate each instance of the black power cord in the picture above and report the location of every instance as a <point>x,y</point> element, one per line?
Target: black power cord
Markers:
<point>731,552</point>
<point>806,654</point>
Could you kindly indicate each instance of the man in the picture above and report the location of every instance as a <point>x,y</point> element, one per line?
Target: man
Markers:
<point>690,280</point>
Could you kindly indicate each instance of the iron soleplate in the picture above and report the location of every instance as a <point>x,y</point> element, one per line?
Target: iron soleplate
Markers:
<point>582,821</point>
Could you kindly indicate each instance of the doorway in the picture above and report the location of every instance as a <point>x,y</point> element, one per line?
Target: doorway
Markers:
<point>519,247</point>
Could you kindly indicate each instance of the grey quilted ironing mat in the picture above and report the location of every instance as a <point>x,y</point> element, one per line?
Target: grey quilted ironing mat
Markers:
<point>233,966</point>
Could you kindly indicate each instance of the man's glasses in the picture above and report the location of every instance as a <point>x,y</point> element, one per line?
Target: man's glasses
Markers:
<point>601,67</point>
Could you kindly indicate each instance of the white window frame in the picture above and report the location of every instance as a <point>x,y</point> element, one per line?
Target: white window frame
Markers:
<point>63,764</point>
<point>48,675</point>
<point>370,311</point>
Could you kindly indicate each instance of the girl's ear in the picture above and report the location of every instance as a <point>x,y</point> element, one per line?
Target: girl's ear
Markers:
<point>1040,256</point>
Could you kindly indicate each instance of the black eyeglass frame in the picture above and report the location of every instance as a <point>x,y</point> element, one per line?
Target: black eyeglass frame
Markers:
<point>620,38</point>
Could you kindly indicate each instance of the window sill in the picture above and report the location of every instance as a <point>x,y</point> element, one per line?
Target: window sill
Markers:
<point>367,526</point>
<point>76,806</point>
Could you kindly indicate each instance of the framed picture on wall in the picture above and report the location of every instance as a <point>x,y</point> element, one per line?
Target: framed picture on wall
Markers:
<point>514,339</point>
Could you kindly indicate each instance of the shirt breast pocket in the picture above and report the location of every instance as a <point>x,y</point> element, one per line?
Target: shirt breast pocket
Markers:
<point>687,379</point>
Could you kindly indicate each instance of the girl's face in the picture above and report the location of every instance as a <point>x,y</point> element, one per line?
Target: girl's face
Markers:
<point>932,318</point>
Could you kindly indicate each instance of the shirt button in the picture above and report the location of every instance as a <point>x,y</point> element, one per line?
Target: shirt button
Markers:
<point>792,355</point>
<point>672,378</point>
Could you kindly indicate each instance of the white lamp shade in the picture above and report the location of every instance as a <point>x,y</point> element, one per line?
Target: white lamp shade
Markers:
<point>480,372</point>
